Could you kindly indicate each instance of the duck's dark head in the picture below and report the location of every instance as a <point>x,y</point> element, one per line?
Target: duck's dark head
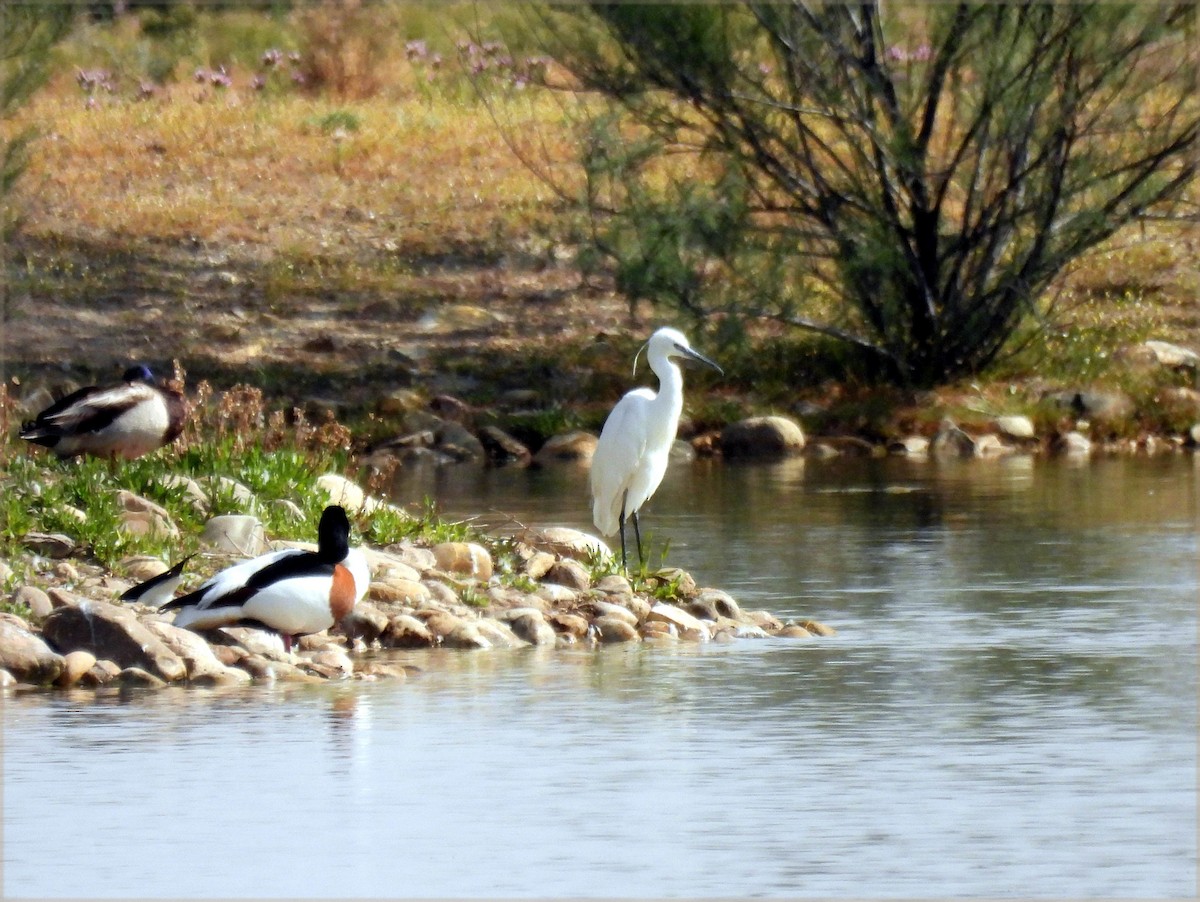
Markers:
<point>333,534</point>
<point>139,373</point>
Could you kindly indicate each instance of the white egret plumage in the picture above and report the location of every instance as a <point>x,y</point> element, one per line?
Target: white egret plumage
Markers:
<point>631,457</point>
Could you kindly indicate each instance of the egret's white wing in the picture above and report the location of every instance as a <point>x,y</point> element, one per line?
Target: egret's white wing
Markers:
<point>618,456</point>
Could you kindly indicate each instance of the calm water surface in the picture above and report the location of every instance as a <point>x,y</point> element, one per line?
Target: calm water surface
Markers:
<point>1009,708</point>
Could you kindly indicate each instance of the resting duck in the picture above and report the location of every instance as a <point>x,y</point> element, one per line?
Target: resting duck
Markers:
<point>126,420</point>
<point>292,592</point>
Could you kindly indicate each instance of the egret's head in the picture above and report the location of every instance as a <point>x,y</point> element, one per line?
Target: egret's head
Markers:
<point>667,343</point>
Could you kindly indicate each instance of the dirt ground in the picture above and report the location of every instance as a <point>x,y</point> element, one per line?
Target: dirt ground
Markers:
<point>458,326</point>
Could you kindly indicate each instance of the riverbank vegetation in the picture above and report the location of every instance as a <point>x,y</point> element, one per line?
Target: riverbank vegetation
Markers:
<point>339,216</point>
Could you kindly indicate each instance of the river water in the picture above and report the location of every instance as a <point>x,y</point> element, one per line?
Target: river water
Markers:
<point>1009,708</point>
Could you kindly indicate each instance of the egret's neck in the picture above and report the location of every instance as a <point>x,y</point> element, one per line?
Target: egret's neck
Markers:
<point>670,388</point>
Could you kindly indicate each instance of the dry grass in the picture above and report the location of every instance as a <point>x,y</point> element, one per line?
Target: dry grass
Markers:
<point>296,173</point>
<point>318,245</point>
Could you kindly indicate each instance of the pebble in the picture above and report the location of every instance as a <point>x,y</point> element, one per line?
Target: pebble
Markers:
<point>539,564</point>
<point>466,558</point>
<point>136,678</point>
<point>340,490</point>
<point>35,599</point>
<point>76,665</point>
<point>405,631</point>
<point>609,628</point>
<point>570,573</point>
<point>403,591</point>
<point>619,612</point>
<point>533,628</point>
<point>794,631</point>
<point>239,534</point>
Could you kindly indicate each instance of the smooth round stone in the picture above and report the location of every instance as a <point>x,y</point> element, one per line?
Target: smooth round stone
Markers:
<point>136,678</point>
<point>340,490</point>
<point>466,636</point>
<point>141,567</point>
<point>769,436</point>
<point>398,591</point>
<point>817,628</point>
<point>570,573</point>
<point>406,631</point>
<point>466,558</point>
<point>500,635</point>
<point>556,594</point>
<point>571,624</point>
<point>440,593</point>
<point>569,447</point>
<point>614,629</point>
<point>539,564</point>
<point>794,631</point>
<point>236,533</point>
<point>35,599</point>
<point>609,609</point>
<point>615,584</point>
<point>533,628</point>
<point>76,665</point>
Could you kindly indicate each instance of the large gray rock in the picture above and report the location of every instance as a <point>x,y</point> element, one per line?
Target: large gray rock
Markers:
<point>1016,426</point>
<point>570,447</point>
<point>501,448</point>
<point>365,622</point>
<point>533,628</point>
<point>202,663</point>
<point>35,599</point>
<point>950,441</point>
<point>570,573</point>
<point>236,533</point>
<point>113,633</point>
<point>771,436</point>
<point>1172,355</point>
<point>26,656</point>
<point>459,442</point>
<point>566,541</point>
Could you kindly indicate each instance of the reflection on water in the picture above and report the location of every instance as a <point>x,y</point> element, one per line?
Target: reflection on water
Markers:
<point>1009,707</point>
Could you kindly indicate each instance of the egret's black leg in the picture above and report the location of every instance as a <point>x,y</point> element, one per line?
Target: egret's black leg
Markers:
<point>621,525</point>
<point>637,532</point>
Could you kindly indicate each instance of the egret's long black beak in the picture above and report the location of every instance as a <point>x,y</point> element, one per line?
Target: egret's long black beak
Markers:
<point>700,358</point>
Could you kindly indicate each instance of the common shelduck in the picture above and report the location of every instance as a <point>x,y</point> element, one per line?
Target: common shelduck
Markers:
<point>126,420</point>
<point>292,592</point>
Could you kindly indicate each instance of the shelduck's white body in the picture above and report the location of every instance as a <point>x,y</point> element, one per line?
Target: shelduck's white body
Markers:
<point>293,592</point>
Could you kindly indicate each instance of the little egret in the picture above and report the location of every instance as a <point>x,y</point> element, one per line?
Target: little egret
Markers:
<point>635,444</point>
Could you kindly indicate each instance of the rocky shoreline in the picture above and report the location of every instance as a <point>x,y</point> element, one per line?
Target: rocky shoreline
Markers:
<point>445,595</point>
<point>547,590</point>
